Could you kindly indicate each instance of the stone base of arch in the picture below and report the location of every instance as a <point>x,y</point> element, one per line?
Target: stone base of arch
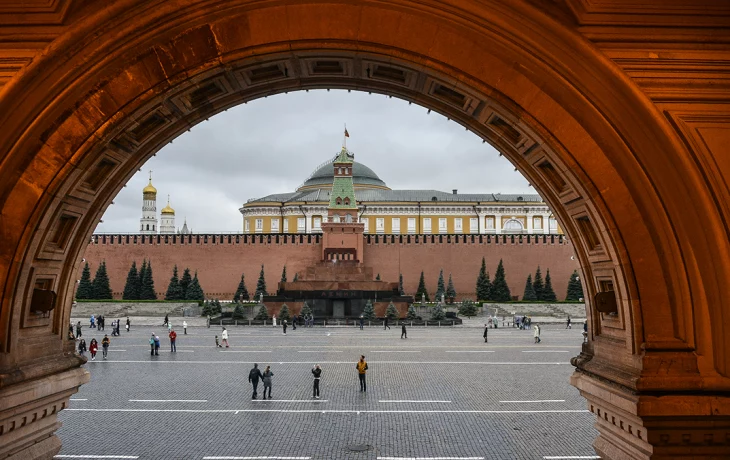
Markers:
<point>663,426</point>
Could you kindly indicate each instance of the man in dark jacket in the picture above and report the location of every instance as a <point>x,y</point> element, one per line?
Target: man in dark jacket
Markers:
<point>317,373</point>
<point>403,334</point>
<point>253,377</point>
<point>485,333</point>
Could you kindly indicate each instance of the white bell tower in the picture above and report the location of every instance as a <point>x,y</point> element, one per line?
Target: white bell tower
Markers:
<point>148,222</point>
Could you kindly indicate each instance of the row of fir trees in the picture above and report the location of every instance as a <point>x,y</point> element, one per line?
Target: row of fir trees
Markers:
<point>185,288</point>
<point>242,292</point>
<point>98,289</point>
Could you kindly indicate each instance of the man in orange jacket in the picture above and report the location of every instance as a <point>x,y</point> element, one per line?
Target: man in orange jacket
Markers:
<point>173,336</point>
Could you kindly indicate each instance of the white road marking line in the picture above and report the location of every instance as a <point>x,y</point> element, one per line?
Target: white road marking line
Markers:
<point>184,351</point>
<point>96,456</point>
<point>245,351</point>
<point>115,350</point>
<point>335,411</point>
<point>410,401</point>
<point>545,351</point>
<point>490,363</point>
<point>78,399</point>
<point>168,400</point>
<point>536,401</point>
<point>430,458</point>
<point>290,400</point>
<point>395,351</point>
<point>256,458</point>
<point>319,351</point>
<point>571,456</point>
<point>469,351</point>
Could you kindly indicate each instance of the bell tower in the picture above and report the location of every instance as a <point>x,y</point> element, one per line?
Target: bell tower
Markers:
<point>148,222</point>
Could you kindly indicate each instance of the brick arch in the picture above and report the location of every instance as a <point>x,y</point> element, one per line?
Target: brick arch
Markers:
<point>79,121</point>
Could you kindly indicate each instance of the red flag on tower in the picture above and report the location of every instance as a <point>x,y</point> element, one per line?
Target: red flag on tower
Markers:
<point>346,133</point>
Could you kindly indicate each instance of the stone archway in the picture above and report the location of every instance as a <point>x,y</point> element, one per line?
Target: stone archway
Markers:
<point>120,81</point>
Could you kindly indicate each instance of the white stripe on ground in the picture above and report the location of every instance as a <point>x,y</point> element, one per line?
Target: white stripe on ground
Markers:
<point>430,458</point>
<point>469,351</point>
<point>333,411</point>
<point>536,401</point>
<point>319,351</point>
<point>184,351</point>
<point>545,351</point>
<point>245,351</point>
<point>518,363</point>
<point>290,400</point>
<point>168,400</point>
<point>571,456</point>
<point>395,351</point>
<point>408,401</point>
<point>96,456</point>
<point>78,399</point>
<point>256,458</point>
<point>115,349</point>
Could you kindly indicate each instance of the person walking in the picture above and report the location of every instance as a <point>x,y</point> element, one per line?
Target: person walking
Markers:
<point>385,323</point>
<point>267,380</point>
<point>173,337</point>
<point>283,326</point>
<point>567,326</point>
<point>207,322</point>
<point>362,321</point>
<point>486,329</point>
<point>82,347</point>
<point>224,337</point>
<point>152,344</point>
<point>78,329</point>
<point>536,334</point>
<point>91,321</point>
<point>167,320</point>
<point>317,373</point>
<point>362,367</point>
<point>169,327</point>
<point>102,321</point>
<point>128,324</point>
<point>585,331</point>
<point>105,342</point>
<point>403,334</point>
<point>93,348</point>
<point>185,328</point>
<point>157,345</point>
<point>294,323</point>
<point>253,377</point>
<point>217,344</point>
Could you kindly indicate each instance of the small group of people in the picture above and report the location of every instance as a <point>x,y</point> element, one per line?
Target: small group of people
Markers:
<point>308,320</point>
<point>523,322</point>
<point>493,322</point>
<point>94,347</point>
<point>96,321</point>
<point>224,338</point>
<point>255,376</point>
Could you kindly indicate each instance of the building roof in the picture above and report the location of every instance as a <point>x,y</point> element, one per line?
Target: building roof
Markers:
<point>379,195</point>
<point>323,176</point>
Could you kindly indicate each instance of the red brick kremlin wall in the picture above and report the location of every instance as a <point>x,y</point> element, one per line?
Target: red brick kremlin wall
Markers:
<point>220,259</point>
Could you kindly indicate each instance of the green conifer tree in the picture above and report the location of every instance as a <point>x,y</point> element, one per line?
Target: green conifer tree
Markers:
<point>283,275</point>
<point>500,289</point>
<point>239,311</point>
<point>377,278</point>
<point>369,312</point>
<point>440,286</point>
<point>306,310</point>
<point>412,315</point>
<point>296,276</point>
<point>392,312</point>
<point>468,308</point>
<point>174,290</point>
<point>575,288</point>
<point>537,285</point>
<point>437,313</point>
<point>148,284</point>
<point>100,286</point>
<point>241,291</point>
<point>482,290</point>
<point>450,290</point>
<point>85,289</point>
<point>131,287</point>
<point>261,284</point>
<point>195,291</point>
<point>185,283</point>
<point>284,313</point>
<point>548,294</point>
<point>140,277</point>
<point>529,294</point>
<point>400,285</point>
<point>488,286</point>
<point>422,289</point>
<point>262,314</point>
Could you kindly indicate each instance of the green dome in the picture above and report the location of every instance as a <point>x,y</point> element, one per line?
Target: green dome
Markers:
<point>362,177</point>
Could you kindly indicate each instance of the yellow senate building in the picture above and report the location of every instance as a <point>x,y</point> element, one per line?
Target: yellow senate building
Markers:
<point>387,211</point>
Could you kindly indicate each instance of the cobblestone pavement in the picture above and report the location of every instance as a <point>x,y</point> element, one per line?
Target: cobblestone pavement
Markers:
<point>442,393</point>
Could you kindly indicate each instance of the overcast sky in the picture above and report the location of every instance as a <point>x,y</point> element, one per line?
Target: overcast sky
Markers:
<point>272,145</point>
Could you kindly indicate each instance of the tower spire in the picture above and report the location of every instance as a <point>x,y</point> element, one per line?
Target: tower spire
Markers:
<point>344,138</point>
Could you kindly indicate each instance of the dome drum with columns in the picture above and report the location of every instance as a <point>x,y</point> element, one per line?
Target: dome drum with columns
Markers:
<point>386,211</point>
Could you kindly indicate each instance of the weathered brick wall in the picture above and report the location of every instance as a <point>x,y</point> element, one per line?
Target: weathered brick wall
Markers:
<point>220,259</point>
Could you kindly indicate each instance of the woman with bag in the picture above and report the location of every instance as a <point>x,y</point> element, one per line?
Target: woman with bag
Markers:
<point>267,380</point>
<point>93,347</point>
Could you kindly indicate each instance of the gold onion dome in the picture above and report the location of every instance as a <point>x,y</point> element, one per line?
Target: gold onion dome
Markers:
<point>167,209</point>
<point>150,188</point>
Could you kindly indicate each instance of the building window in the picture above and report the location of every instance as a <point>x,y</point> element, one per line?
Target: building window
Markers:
<point>474,225</point>
<point>246,226</point>
<point>275,225</point>
<point>458,228</point>
<point>513,226</point>
<point>489,223</point>
<point>380,225</point>
<point>338,200</point>
<point>153,227</point>
<point>148,227</point>
<point>301,224</point>
<point>366,221</point>
<point>259,225</point>
<point>537,223</point>
<point>395,223</point>
<point>411,225</point>
<point>317,224</point>
<point>427,225</point>
<point>553,224</point>
<point>339,171</point>
<point>442,225</point>
<point>347,201</point>
<point>286,225</point>
<point>348,218</point>
<point>336,218</point>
